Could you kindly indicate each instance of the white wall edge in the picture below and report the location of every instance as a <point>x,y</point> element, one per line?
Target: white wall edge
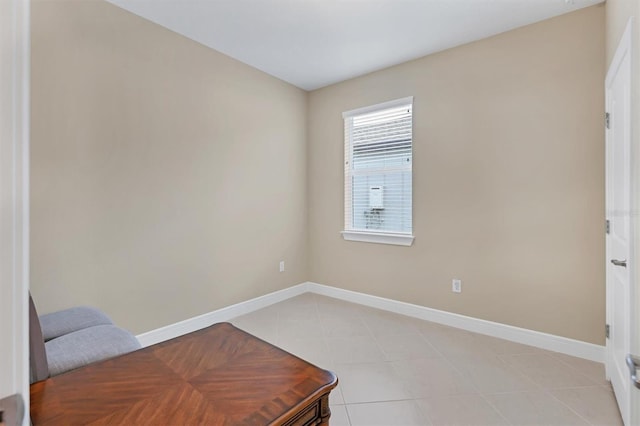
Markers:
<point>15,40</point>
<point>525,336</point>
<point>378,238</point>
<point>220,315</point>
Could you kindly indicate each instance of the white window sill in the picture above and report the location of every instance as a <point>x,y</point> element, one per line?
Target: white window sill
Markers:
<point>378,237</point>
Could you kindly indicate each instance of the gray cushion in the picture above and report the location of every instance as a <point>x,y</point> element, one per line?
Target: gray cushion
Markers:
<point>83,347</point>
<point>69,320</point>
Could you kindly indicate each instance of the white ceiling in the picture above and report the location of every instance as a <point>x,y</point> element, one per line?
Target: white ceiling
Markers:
<point>314,43</point>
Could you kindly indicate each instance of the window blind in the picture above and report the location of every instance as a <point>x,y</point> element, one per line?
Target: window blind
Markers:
<point>378,165</point>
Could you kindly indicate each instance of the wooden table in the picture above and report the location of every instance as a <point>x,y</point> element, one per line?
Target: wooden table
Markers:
<point>216,376</point>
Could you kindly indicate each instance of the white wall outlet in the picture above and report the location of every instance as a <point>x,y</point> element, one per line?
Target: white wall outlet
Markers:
<point>456,286</point>
<point>282,266</point>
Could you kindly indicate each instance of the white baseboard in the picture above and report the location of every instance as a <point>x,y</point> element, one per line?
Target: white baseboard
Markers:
<point>525,336</point>
<point>220,315</point>
<point>538,339</point>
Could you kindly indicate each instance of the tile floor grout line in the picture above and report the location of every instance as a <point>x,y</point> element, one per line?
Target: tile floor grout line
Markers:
<point>572,367</point>
<point>531,378</point>
<point>442,356</point>
<point>346,410</point>
<point>331,356</point>
<point>457,370</point>
<point>384,353</point>
<point>574,387</point>
<point>383,400</point>
<point>323,339</point>
<point>462,375</point>
<point>496,409</point>
<point>567,406</point>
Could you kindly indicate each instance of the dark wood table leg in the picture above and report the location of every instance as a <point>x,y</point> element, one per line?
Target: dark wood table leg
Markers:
<point>325,411</point>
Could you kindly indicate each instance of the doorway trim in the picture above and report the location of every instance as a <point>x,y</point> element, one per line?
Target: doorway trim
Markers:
<point>624,50</point>
<point>14,192</point>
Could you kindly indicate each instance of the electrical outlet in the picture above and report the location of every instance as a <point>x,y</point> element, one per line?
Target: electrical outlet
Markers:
<point>456,286</point>
<point>282,266</point>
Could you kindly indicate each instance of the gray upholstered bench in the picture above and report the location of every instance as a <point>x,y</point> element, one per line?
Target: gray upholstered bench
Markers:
<point>72,338</point>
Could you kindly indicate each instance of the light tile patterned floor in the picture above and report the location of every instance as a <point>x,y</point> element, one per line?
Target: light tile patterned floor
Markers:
<point>395,370</point>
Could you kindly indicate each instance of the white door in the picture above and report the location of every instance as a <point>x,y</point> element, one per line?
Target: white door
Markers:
<point>14,211</point>
<point>619,242</point>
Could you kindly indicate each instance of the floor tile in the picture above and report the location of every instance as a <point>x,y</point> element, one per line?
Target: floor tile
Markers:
<point>534,408</point>
<point>339,416</point>
<point>593,370</point>
<point>547,371</point>
<point>430,326</point>
<point>405,346</point>
<point>370,382</point>
<point>396,370</point>
<point>339,326</point>
<point>329,308</point>
<point>314,351</point>
<point>264,329</point>
<point>396,413</point>
<point>385,323</point>
<point>368,311</point>
<point>491,374</point>
<point>431,377</point>
<point>596,404</point>
<point>255,319</point>
<point>268,313</point>
<point>505,347</point>
<point>297,328</point>
<point>335,397</point>
<point>354,350</point>
<point>461,410</point>
<point>298,308</point>
<point>454,342</point>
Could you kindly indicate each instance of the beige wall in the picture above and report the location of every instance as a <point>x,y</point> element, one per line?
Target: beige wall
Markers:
<point>508,180</point>
<point>618,13</point>
<point>168,180</point>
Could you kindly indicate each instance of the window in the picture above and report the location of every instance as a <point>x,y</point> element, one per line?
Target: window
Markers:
<point>377,173</point>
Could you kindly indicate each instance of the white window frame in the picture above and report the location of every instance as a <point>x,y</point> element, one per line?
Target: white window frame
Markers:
<point>379,237</point>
